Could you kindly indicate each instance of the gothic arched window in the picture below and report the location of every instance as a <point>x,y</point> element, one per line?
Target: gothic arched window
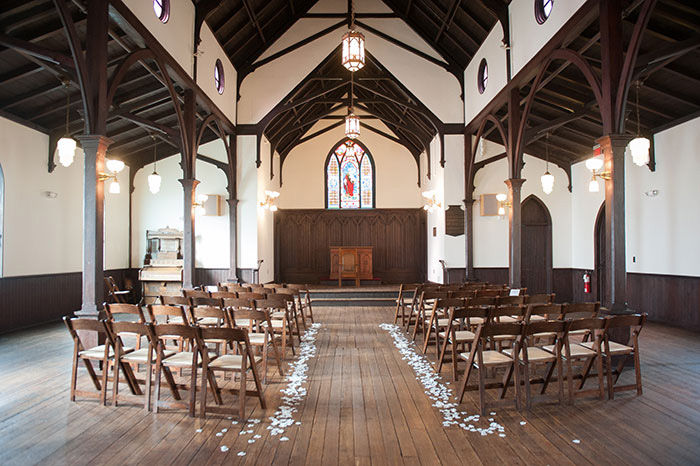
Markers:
<point>349,177</point>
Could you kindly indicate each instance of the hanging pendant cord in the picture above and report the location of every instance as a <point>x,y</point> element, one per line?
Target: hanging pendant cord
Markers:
<point>155,151</point>
<point>352,15</point>
<point>637,105</point>
<point>67,107</point>
<point>546,152</point>
<point>352,89</point>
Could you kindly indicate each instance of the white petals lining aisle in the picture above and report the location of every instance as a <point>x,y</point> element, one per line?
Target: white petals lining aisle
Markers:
<point>439,392</point>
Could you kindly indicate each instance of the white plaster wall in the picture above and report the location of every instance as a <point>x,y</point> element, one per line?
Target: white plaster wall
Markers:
<point>527,37</point>
<point>43,235</point>
<point>584,211</point>
<point>436,219</point>
<point>266,218</point>
<point>209,51</point>
<point>303,186</point>
<point>247,205</point>
<point>454,194</point>
<point>177,35</point>
<point>662,231</point>
<point>495,56</point>
<point>491,233</point>
<point>165,209</point>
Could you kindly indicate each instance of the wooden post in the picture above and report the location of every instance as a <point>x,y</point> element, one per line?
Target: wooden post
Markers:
<point>613,147</point>
<point>233,238</point>
<point>468,203</point>
<point>189,187</point>
<point>514,233</point>
<point>94,148</point>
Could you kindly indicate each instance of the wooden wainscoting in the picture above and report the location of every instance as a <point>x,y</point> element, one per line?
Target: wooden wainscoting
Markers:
<point>303,239</point>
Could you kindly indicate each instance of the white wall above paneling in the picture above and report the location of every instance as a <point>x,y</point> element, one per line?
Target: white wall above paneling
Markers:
<point>177,35</point>
<point>209,51</point>
<point>491,50</point>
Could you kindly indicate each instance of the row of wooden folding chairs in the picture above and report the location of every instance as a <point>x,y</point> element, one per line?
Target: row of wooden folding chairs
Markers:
<point>116,356</point>
<point>517,361</point>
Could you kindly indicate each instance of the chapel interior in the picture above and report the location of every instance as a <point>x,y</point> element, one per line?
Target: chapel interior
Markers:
<point>349,232</point>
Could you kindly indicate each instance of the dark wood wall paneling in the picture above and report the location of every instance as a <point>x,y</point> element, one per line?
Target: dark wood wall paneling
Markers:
<point>36,299</point>
<point>666,298</point>
<point>303,239</point>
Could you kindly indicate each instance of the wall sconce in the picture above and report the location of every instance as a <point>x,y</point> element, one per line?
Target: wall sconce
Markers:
<point>114,166</point>
<point>269,202</point>
<point>431,203</point>
<point>502,204</point>
<point>594,165</point>
<point>199,204</point>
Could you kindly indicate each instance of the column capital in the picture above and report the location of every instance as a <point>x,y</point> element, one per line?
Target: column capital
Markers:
<point>515,183</point>
<point>190,183</point>
<point>614,140</point>
<point>96,141</point>
<point>232,202</point>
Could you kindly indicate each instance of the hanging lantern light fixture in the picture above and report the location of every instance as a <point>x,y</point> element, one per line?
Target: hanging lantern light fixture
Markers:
<point>639,146</point>
<point>353,45</point>
<point>154,178</point>
<point>66,145</point>
<point>352,121</point>
<point>547,179</point>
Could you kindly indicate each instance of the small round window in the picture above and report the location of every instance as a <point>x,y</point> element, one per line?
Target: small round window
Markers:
<point>162,10</point>
<point>482,77</point>
<point>543,8</point>
<point>219,76</point>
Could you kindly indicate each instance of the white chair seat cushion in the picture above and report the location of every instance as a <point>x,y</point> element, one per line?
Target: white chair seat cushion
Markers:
<point>577,351</point>
<point>615,348</point>
<point>476,320</point>
<point>443,322</point>
<point>582,331</point>
<point>508,319</point>
<point>276,324</point>
<point>534,354</point>
<point>245,323</point>
<point>257,338</point>
<point>537,317</point>
<point>175,320</point>
<point>141,356</point>
<point>461,336</point>
<point>544,334</point>
<point>183,359</point>
<point>230,361</point>
<point>490,358</point>
<point>98,352</point>
<point>208,321</point>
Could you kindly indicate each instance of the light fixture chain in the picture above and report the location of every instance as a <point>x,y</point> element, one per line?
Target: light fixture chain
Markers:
<point>67,108</point>
<point>352,14</point>
<point>637,105</point>
<point>546,152</point>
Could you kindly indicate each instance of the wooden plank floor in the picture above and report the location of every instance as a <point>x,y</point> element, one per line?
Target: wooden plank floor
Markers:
<point>363,406</point>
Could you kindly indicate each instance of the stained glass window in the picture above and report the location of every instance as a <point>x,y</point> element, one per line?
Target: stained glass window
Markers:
<point>350,177</point>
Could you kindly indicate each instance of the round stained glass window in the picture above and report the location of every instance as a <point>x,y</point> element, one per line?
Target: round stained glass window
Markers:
<point>482,77</point>
<point>219,76</point>
<point>543,8</point>
<point>162,10</point>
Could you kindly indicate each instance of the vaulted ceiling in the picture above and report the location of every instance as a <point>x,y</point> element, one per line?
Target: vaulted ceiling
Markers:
<point>31,91</point>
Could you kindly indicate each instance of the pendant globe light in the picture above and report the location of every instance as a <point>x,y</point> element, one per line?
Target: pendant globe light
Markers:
<point>547,179</point>
<point>66,145</point>
<point>154,178</point>
<point>353,45</point>
<point>639,146</point>
<point>352,121</point>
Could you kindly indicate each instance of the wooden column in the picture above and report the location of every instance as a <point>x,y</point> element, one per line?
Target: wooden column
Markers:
<point>468,203</point>
<point>233,238</point>
<point>94,148</point>
<point>514,233</point>
<point>613,147</point>
<point>189,188</point>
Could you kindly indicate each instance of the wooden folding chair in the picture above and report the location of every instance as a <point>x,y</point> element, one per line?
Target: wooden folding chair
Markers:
<point>510,300</point>
<point>439,319</point>
<point>458,334</point>
<point>305,301</point>
<point>294,303</point>
<point>412,314</point>
<point>260,334</point>
<point>280,325</point>
<point>223,294</point>
<point>611,349</point>
<point>103,354</point>
<point>542,298</point>
<point>489,293</point>
<point>179,360</point>
<point>463,293</point>
<point>195,294</point>
<point>114,293</point>
<point>175,300</point>
<point>134,358</point>
<point>234,288</point>
<point>111,310</point>
<point>481,359</point>
<point>404,300</point>
<point>425,307</point>
<point>253,295</point>
<point>240,363</point>
<point>292,316</point>
<point>579,311</point>
<point>576,352</point>
<point>542,312</point>
<point>530,354</point>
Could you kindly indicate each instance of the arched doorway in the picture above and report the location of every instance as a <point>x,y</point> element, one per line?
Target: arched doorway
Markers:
<point>600,259</point>
<point>536,246</point>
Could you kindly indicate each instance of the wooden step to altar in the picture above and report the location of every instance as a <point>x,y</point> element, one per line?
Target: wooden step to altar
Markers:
<point>346,297</point>
<point>351,282</point>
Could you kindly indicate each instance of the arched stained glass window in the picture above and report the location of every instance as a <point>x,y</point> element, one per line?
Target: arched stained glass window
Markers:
<point>349,177</point>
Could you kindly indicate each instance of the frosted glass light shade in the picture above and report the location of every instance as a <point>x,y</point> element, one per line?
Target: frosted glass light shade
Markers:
<point>352,126</point>
<point>114,187</point>
<point>501,211</point>
<point>154,182</point>
<point>500,197</point>
<point>115,166</point>
<point>594,164</point>
<point>66,151</point>
<point>593,186</point>
<point>639,147</point>
<point>353,50</point>
<point>547,182</point>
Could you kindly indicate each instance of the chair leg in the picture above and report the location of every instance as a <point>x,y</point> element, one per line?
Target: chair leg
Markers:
<point>115,384</point>
<point>105,373</point>
<point>482,391</point>
<point>241,393</point>
<point>203,401</point>
<point>193,389</point>
<point>637,372</point>
<point>74,376</point>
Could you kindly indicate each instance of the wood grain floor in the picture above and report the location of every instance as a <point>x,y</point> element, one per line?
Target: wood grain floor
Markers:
<point>363,406</point>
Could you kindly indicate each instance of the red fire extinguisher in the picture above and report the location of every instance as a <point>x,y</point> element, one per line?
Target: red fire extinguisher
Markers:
<point>586,282</point>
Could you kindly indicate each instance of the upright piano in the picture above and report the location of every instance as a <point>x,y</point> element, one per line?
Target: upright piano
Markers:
<point>161,274</point>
